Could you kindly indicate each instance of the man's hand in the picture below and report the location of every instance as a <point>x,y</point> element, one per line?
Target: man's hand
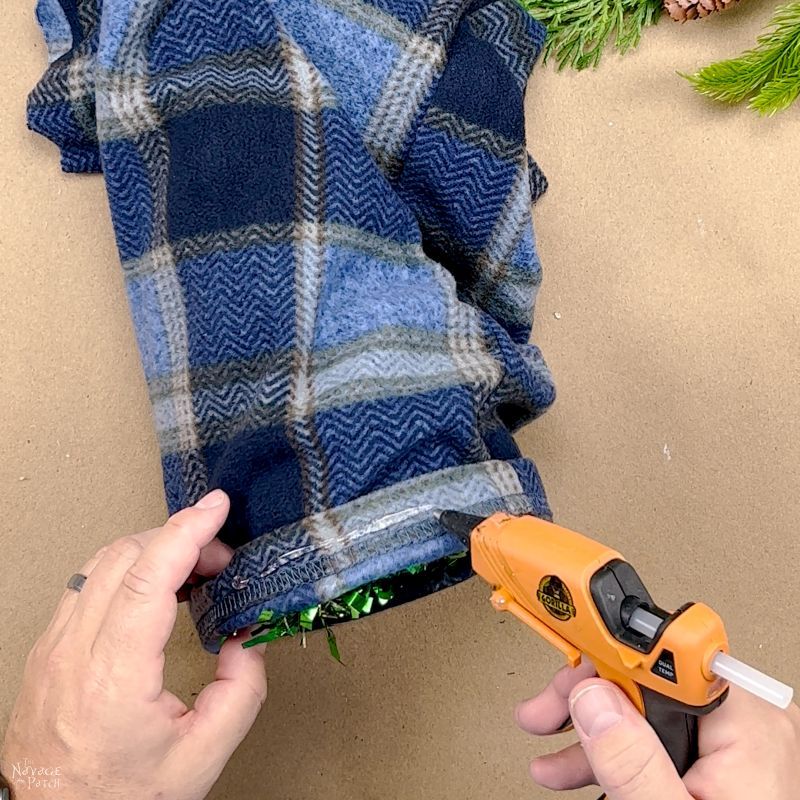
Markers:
<point>748,749</point>
<point>93,702</point>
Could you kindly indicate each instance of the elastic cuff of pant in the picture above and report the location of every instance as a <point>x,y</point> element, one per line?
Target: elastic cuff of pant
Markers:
<point>325,555</point>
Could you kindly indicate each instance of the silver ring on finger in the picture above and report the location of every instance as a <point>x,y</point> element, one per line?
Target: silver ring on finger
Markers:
<point>76,582</point>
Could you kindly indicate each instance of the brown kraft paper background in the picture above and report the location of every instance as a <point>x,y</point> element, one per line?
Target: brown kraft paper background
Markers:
<point>669,315</point>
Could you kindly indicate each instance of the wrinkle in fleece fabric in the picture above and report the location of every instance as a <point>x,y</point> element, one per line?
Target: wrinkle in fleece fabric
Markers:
<point>322,209</point>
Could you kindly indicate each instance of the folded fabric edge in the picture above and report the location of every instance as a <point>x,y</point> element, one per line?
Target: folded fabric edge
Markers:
<point>377,535</point>
<point>56,28</point>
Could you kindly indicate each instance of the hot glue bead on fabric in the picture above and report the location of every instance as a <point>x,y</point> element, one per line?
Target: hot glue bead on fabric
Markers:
<point>331,273</point>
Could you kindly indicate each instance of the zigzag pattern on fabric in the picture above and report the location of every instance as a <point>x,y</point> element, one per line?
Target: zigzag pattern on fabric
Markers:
<point>331,271</point>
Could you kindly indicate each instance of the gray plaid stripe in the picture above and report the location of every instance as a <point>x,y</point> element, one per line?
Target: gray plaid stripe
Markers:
<point>474,135</point>
<point>255,76</point>
<point>279,233</point>
<point>408,84</point>
<point>69,78</point>
<point>266,58</point>
<point>477,369</point>
<point>264,401</point>
<point>79,73</point>
<point>128,102</point>
<point>55,88</point>
<point>238,239</point>
<point>209,86</point>
<point>372,18</point>
<point>536,179</point>
<point>373,245</point>
<point>178,417</point>
<point>501,24</point>
<point>468,350</point>
<point>209,376</point>
<point>406,501</point>
<point>149,263</point>
<point>440,236</point>
<point>504,477</point>
<point>442,19</point>
<point>218,376</point>
<point>511,224</point>
<point>88,14</point>
<point>415,340</point>
<point>309,251</point>
<point>412,362</point>
<point>369,389</point>
<point>127,111</point>
<point>81,87</point>
<point>382,373</point>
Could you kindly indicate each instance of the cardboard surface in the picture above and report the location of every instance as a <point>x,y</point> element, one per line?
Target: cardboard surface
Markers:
<point>670,245</point>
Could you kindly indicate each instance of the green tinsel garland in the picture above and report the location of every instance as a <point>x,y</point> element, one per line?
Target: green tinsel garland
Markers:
<point>769,74</point>
<point>393,589</point>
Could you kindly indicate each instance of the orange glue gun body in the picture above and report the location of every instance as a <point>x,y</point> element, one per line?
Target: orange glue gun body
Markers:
<point>586,600</point>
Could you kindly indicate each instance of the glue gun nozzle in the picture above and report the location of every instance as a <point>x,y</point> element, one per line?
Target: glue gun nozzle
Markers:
<point>459,524</point>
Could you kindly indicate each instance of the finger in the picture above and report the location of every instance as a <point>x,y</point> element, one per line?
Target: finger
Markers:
<point>547,712</point>
<point>227,708</point>
<point>214,557</point>
<point>567,769</point>
<point>722,728</point>
<point>141,614</point>
<point>171,706</point>
<point>69,599</point>
<point>95,598</point>
<point>625,755</point>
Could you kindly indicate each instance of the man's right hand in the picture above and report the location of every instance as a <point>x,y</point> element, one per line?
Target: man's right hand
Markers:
<point>748,749</point>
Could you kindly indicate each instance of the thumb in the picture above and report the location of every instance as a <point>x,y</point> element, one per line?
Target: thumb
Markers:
<point>627,758</point>
<point>227,708</point>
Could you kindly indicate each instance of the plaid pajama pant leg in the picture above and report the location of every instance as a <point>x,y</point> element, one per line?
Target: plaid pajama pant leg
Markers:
<point>322,209</point>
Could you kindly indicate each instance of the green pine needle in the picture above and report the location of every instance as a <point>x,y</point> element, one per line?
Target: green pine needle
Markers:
<point>579,30</point>
<point>769,73</point>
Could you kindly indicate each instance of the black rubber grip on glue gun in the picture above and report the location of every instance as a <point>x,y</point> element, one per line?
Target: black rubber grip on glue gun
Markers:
<point>676,725</point>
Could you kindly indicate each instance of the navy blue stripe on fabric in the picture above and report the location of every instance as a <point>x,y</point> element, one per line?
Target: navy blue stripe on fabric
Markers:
<point>376,444</point>
<point>230,166</point>
<point>70,8</point>
<point>474,82</point>
<point>323,214</point>
<point>266,496</point>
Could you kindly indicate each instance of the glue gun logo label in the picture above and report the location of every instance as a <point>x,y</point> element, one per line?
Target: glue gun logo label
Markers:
<point>555,597</point>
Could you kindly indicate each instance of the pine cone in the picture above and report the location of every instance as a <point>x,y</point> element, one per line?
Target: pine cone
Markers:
<point>681,10</point>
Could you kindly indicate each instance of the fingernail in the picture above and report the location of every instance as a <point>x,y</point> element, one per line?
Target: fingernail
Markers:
<point>595,709</point>
<point>211,500</point>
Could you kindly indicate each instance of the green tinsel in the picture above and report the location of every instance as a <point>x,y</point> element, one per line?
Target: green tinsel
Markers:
<point>769,74</point>
<point>579,30</point>
<point>352,605</point>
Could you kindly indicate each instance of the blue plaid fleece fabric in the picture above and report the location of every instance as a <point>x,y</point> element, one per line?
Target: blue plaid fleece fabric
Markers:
<point>322,209</point>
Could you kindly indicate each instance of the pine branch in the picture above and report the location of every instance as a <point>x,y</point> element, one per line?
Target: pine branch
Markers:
<point>769,73</point>
<point>579,30</point>
<point>777,95</point>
